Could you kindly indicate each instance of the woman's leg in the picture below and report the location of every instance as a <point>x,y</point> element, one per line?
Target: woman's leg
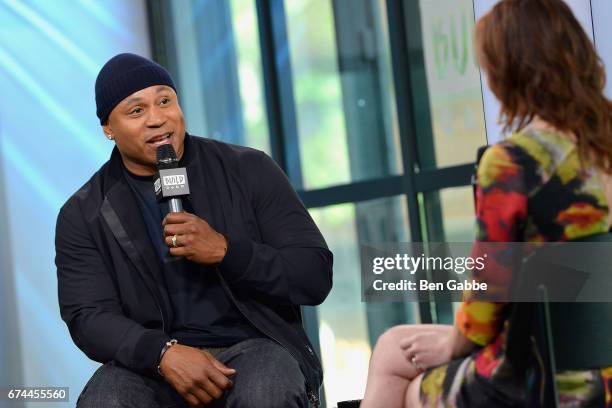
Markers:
<point>413,394</point>
<point>390,371</point>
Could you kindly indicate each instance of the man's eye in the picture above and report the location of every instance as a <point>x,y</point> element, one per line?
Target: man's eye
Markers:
<point>165,101</point>
<point>136,110</point>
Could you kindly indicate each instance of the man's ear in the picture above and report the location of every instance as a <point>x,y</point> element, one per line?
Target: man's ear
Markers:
<point>107,131</point>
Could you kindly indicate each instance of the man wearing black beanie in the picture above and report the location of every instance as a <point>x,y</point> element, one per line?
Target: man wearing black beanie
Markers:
<point>193,308</point>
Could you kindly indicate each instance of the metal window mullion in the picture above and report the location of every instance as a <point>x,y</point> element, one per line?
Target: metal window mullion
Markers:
<point>161,39</point>
<point>281,114</point>
<point>406,122</point>
<point>278,88</point>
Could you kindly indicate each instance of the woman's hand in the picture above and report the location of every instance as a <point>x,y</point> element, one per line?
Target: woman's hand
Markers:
<point>433,347</point>
<point>428,348</point>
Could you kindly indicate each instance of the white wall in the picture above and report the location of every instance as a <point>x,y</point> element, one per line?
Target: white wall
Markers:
<point>50,144</point>
<point>602,28</point>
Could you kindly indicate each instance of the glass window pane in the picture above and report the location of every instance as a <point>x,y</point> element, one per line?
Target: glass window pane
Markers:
<point>219,74</point>
<point>342,91</point>
<point>348,327</point>
<point>246,32</point>
<point>458,214</point>
<point>453,81</point>
<point>343,330</point>
<point>451,218</point>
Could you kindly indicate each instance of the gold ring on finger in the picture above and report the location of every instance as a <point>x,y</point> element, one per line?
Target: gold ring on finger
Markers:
<point>416,364</point>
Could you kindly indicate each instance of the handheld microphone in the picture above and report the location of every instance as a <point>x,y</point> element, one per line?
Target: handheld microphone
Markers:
<point>171,180</point>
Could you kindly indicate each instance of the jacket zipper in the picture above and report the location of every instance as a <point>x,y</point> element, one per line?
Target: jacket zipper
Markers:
<point>161,313</point>
<point>312,395</point>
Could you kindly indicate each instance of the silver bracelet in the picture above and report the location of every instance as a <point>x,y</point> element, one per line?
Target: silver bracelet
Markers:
<point>163,351</point>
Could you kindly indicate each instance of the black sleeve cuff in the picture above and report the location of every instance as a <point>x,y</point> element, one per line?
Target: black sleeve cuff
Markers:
<point>237,258</point>
<point>147,352</point>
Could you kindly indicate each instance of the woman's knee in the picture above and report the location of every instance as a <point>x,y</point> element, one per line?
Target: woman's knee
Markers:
<point>390,339</point>
<point>387,355</point>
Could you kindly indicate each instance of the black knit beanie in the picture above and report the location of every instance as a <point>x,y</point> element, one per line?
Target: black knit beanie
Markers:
<point>123,75</point>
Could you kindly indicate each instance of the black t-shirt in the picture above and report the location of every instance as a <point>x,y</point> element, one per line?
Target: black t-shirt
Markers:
<point>204,315</point>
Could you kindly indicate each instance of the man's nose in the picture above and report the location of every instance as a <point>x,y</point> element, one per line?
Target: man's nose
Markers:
<point>156,117</point>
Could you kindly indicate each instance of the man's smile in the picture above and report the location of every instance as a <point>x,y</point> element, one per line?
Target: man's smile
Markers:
<point>158,140</point>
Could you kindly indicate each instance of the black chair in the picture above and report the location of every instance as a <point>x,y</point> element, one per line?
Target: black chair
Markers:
<point>562,335</point>
<point>349,404</point>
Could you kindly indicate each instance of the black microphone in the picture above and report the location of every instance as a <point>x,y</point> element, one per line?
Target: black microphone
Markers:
<point>171,181</point>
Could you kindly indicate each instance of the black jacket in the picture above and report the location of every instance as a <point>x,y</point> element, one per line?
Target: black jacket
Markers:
<point>111,293</point>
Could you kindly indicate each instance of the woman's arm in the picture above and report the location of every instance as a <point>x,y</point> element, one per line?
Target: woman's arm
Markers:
<point>460,345</point>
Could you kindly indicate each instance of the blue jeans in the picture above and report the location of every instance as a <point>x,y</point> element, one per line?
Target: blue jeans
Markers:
<point>267,376</point>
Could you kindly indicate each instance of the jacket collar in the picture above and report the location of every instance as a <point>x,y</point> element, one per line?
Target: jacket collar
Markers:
<point>122,214</point>
<point>127,223</point>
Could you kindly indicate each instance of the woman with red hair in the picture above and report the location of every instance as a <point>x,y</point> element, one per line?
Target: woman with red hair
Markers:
<point>548,181</point>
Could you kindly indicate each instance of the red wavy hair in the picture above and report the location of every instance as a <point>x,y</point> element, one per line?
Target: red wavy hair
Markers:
<point>540,62</point>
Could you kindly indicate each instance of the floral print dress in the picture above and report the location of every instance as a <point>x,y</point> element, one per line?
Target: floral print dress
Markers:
<point>531,188</point>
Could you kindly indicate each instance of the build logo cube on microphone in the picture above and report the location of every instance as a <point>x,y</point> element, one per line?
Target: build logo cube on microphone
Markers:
<point>171,183</point>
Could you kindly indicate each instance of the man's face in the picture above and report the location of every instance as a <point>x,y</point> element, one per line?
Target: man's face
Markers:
<point>144,121</point>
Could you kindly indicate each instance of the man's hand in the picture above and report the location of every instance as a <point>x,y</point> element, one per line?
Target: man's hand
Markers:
<point>195,374</point>
<point>195,239</point>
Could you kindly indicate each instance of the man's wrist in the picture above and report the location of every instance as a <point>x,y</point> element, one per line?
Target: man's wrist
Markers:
<point>224,245</point>
<point>166,347</point>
